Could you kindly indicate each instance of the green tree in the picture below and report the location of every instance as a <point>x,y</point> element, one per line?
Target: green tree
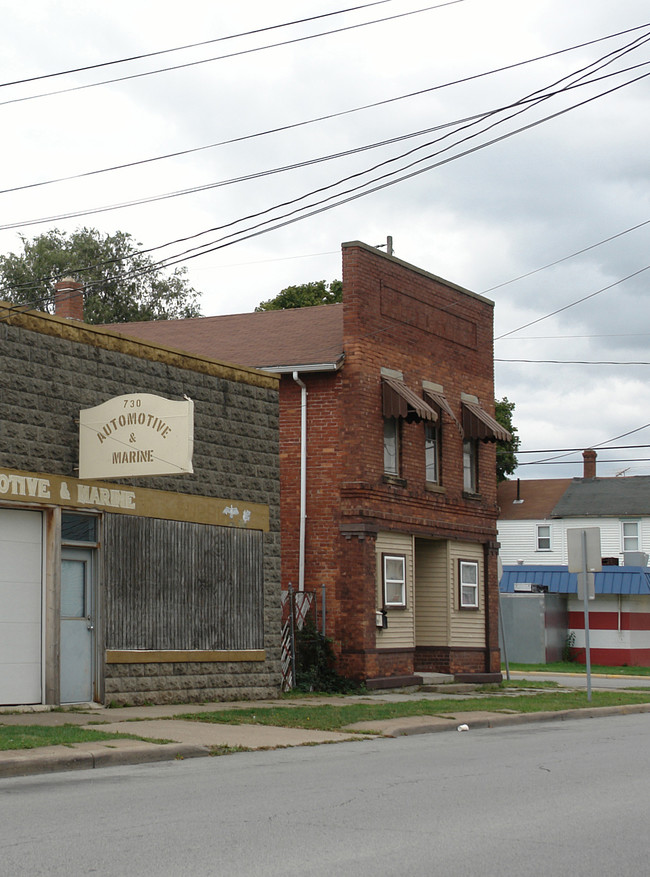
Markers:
<point>305,295</point>
<point>121,284</point>
<point>506,451</point>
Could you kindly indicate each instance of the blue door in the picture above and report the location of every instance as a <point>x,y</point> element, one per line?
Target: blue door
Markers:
<point>77,626</point>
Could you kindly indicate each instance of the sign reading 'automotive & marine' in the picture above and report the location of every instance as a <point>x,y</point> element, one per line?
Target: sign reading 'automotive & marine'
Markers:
<point>135,435</point>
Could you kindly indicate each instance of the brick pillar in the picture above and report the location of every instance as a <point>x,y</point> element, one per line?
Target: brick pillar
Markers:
<point>589,458</point>
<point>68,299</point>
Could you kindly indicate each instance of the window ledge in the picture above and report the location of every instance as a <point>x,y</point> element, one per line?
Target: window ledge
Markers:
<point>474,496</point>
<point>432,487</point>
<point>395,480</point>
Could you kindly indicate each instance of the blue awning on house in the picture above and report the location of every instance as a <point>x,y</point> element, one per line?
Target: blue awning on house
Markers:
<point>627,580</point>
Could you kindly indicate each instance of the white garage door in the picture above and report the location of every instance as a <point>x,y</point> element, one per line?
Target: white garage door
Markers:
<point>20,606</point>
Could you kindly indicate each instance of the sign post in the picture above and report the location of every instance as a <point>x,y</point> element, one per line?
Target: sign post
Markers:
<point>583,546</point>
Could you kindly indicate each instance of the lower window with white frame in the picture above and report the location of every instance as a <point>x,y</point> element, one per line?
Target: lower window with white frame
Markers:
<point>468,584</point>
<point>394,579</point>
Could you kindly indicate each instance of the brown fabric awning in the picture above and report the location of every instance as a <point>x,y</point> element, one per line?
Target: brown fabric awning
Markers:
<point>399,401</point>
<point>478,424</point>
<point>439,401</point>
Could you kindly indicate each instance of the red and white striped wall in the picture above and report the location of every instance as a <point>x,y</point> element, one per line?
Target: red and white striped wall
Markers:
<point>619,630</point>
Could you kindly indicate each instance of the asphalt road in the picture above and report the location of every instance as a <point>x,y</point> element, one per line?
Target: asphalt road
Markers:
<point>545,799</point>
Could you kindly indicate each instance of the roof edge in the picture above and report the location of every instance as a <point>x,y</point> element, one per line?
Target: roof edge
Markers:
<point>109,339</point>
<point>411,267</point>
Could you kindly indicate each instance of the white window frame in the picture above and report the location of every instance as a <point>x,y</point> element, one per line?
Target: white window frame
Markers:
<point>543,537</point>
<point>470,466</point>
<point>394,579</point>
<point>432,453</point>
<point>391,446</point>
<point>468,584</point>
<point>636,537</point>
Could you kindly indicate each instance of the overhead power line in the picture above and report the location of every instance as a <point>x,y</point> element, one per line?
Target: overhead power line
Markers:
<point>353,193</point>
<point>198,45</point>
<point>573,303</point>
<point>323,118</point>
<point>577,462</point>
<point>251,51</point>
<point>580,450</point>
<point>309,162</point>
<point>576,361</point>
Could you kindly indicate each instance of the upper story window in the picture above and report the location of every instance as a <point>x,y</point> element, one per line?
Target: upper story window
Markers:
<point>630,536</point>
<point>432,452</point>
<point>543,537</point>
<point>470,466</point>
<point>394,575</point>
<point>391,445</point>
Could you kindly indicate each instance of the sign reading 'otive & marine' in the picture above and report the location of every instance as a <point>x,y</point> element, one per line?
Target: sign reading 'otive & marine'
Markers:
<point>134,435</point>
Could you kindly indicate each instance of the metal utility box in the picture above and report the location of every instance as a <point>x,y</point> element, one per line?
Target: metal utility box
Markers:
<point>535,627</point>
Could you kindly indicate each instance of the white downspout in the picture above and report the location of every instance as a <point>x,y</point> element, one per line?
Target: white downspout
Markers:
<point>303,479</point>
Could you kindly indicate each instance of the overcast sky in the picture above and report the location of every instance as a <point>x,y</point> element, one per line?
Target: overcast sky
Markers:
<point>466,202</point>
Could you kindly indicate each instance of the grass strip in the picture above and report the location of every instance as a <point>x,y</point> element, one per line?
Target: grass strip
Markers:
<point>333,717</point>
<point>574,667</point>
<point>34,736</point>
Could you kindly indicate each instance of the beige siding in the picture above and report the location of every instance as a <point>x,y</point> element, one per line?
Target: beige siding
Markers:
<point>432,593</point>
<point>467,625</point>
<point>400,632</point>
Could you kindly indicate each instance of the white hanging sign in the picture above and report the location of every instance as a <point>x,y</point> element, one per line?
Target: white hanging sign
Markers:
<point>134,435</point>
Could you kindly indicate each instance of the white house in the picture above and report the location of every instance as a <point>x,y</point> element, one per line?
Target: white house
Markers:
<point>532,530</point>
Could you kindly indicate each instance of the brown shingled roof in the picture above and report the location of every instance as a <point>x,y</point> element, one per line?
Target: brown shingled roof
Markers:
<point>299,336</point>
<point>540,496</point>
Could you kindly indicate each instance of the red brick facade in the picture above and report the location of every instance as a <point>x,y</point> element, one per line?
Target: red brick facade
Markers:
<point>398,324</point>
<point>400,318</point>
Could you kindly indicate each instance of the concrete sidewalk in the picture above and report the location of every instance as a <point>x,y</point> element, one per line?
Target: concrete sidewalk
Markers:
<point>191,739</point>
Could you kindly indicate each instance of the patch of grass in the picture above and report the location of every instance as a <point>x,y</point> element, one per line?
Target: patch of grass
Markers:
<point>33,736</point>
<point>333,717</point>
<point>227,750</point>
<point>574,667</point>
<point>517,684</point>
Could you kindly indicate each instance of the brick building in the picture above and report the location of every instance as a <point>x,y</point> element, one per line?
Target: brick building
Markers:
<point>387,458</point>
<point>155,588</point>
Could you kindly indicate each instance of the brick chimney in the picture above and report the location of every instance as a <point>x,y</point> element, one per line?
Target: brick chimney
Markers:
<point>69,299</point>
<point>589,458</point>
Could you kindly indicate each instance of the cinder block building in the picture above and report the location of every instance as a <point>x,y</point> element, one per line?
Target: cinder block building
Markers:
<point>162,588</point>
<point>387,461</point>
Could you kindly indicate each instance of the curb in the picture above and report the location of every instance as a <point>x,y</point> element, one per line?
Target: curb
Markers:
<point>26,763</point>
<point>522,719</point>
<point>29,762</point>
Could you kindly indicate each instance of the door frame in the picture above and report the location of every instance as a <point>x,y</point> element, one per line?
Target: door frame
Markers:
<point>86,556</point>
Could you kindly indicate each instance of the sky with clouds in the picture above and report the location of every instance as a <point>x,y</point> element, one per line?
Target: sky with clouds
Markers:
<point>502,145</point>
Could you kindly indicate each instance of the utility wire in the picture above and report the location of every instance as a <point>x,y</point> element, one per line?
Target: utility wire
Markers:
<point>566,258</point>
<point>144,55</point>
<point>229,55</point>
<point>312,121</point>
<point>274,223</point>
<point>573,303</point>
<point>313,161</point>
<point>575,361</point>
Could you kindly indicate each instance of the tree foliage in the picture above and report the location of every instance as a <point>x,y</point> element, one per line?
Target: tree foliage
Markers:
<point>506,451</point>
<point>120,283</point>
<point>305,295</point>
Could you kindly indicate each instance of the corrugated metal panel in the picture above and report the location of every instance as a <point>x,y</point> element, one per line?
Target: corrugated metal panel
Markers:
<point>177,585</point>
<point>558,580</point>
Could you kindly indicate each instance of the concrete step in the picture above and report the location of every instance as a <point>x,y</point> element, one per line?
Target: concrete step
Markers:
<point>435,678</point>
